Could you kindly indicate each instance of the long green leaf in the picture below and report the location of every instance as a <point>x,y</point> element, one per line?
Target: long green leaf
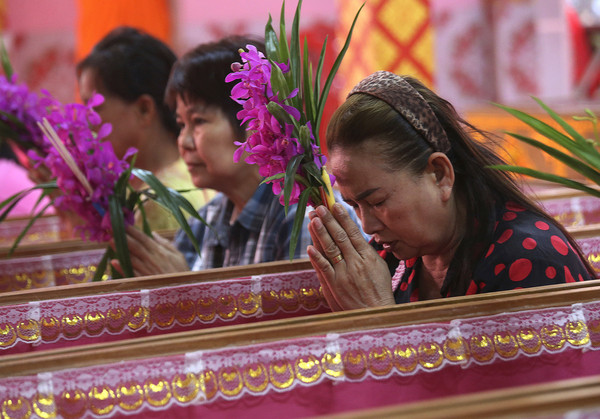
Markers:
<point>295,59</point>
<point>290,174</point>
<point>542,128</point>
<point>279,83</point>
<point>117,222</point>
<point>271,42</point>
<point>23,232</point>
<point>102,265</point>
<point>298,220</point>
<point>274,177</point>
<point>575,164</point>
<point>9,203</point>
<point>590,156</point>
<point>281,115</point>
<point>548,177</point>
<point>6,66</point>
<point>317,88</point>
<point>309,100</point>
<point>564,124</point>
<point>336,65</point>
<point>284,50</point>
<point>165,196</point>
<point>186,205</point>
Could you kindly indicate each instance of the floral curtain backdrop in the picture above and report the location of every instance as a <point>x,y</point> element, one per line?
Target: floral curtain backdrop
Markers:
<point>393,35</point>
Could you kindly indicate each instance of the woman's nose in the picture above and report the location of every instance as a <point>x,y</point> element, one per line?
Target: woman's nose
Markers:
<point>185,139</point>
<point>370,223</point>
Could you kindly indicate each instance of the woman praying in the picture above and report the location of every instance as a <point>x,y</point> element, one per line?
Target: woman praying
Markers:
<point>422,188</point>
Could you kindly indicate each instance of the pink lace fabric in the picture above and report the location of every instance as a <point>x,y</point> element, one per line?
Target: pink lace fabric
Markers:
<point>574,211</point>
<point>120,315</point>
<point>44,271</point>
<point>325,374</point>
<point>590,247</point>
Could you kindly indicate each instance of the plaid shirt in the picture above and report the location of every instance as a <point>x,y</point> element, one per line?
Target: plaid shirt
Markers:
<point>261,233</point>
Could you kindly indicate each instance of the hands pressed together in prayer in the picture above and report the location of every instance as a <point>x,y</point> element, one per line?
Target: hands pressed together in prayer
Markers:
<point>152,255</point>
<point>351,272</point>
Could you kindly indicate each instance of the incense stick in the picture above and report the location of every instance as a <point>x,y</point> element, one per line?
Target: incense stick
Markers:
<point>55,140</point>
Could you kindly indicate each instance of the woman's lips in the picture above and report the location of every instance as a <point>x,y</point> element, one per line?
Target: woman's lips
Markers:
<point>388,245</point>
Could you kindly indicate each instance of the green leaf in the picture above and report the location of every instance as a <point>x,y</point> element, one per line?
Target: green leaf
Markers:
<point>166,198</point>
<point>274,177</point>
<point>334,68</point>
<point>281,115</point>
<point>23,232</point>
<point>14,199</point>
<point>309,101</point>
<point>290,174</point>
<point>543,128</point>
<point>102,265</point>
<point>583,152</point>
<point>186,205</point>
<point>548,177</point>
<point>120,237</point>
<point>6,66</point>
<point>278,82</point>
<point>314,172</point>
<point>145,225</point>
<point>298,220</point>
<point>271,42</point>
<point>295,58</point>
<point>304,137</point>
<point>317,88</point>
<point>575,164</point>
<point>568,128</point>
<point>284,51</point>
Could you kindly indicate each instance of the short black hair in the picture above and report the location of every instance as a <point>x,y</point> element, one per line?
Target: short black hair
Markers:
<point>200,76</point>
<point>130,63</point>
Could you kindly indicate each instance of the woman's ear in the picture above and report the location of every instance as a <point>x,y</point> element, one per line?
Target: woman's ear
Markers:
<point>146,109</point>
<point>440,166</point>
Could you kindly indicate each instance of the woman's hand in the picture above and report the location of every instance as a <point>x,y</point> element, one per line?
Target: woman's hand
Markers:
<point>351,272</point>
<point>151,256</point>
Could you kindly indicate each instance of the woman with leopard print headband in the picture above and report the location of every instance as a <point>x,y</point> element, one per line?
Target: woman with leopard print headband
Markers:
<point>421,184</point>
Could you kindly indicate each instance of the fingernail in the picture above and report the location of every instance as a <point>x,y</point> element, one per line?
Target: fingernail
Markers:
<point>321,210</point>
<point>318,223</point>
<point>338,209</point>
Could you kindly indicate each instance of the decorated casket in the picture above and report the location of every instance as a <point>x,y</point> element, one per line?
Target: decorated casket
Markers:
<point>320,364</point>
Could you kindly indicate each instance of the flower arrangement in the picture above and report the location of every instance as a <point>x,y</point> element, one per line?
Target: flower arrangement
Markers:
<point>580,153</point>
<point>283,105</point>
<point>88,178</point>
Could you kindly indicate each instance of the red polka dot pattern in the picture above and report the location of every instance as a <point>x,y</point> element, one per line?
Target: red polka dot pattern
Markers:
<point>542,225</point>
<point>512,206</point>
<point>519,270</point>
<point>505,236</point>
<point>568,276</point>
<point>528,250</point>
<point>499,268</point>
<point>472,288</point>
<point>559,244</point>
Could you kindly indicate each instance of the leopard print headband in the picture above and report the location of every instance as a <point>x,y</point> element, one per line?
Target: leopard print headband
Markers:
<point>409,103</point>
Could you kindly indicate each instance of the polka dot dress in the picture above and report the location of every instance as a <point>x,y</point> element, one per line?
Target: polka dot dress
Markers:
<point>526,251</point>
